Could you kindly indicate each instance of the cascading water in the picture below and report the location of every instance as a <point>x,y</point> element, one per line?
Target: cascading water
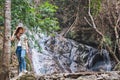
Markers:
<point>60,55</point>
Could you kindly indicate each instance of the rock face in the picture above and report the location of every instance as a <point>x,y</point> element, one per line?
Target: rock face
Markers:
<point>61,55</point>
<point>73,76</point>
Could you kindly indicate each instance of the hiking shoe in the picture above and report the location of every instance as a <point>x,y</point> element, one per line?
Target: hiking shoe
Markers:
<point>20,74</point>
<point>25,71</point>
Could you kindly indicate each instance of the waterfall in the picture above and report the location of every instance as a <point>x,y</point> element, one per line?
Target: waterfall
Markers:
<point>59,55</point>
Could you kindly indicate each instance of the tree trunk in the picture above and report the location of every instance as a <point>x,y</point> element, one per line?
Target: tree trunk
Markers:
<point>4,74</point>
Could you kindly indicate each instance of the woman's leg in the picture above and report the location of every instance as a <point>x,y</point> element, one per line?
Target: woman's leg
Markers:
<point>23,54</point>
<point>18,53</point>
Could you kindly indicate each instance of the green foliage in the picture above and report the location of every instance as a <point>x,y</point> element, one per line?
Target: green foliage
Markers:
<point>95,6</point>
<point>29,64</point>
<point>1,20</point>
<point>72,34</point>
<point>41,16</point>
<point>47,19</point>
<point>108,40</point>
<point>47,9</point>
<point>1,12</point>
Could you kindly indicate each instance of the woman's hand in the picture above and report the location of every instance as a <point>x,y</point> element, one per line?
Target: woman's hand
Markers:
<point>13,36</point>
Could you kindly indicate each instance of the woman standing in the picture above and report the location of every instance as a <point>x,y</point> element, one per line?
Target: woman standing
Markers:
<point>21,48</point>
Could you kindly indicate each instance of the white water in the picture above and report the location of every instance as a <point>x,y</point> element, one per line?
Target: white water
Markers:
<point>42,60</point>
<point>35,57</point>
<point>36,53</point>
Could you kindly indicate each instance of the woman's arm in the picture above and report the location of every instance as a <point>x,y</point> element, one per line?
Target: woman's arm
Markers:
<point>13,36</point>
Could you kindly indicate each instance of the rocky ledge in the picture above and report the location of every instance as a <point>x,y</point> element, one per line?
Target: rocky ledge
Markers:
<point>112,75</point>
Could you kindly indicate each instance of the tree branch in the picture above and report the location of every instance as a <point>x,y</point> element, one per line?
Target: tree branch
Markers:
<point>71,25</point>
<point>87,21</point>
<point>103,38</point>
<point>93,22</point>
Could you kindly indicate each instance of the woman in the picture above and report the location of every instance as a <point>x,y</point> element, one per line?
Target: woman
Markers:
<point>21,47</point>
